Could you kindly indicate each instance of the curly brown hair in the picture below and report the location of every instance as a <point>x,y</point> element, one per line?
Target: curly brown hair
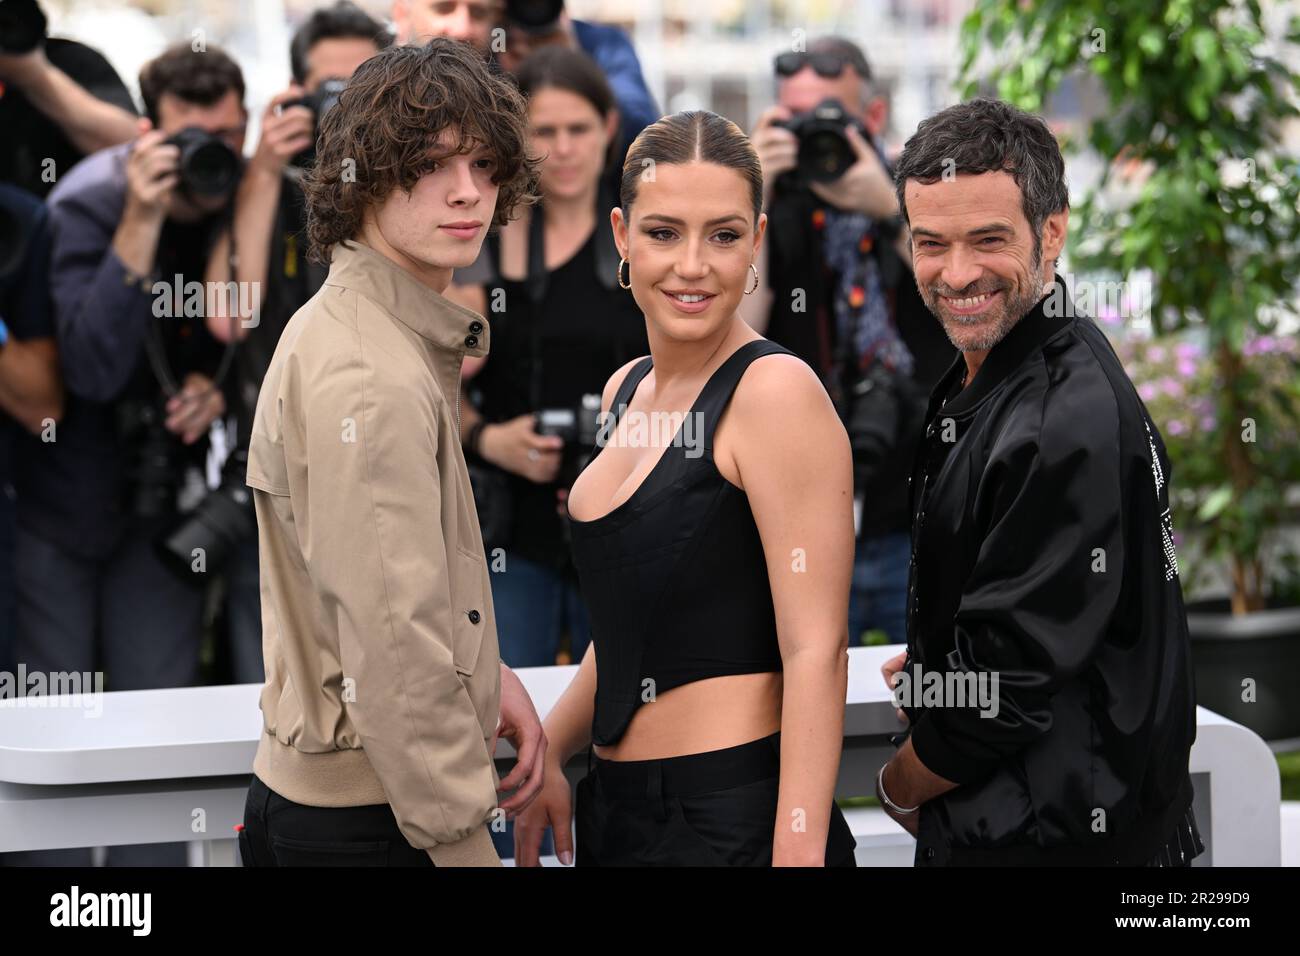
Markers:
<point>383,134</point>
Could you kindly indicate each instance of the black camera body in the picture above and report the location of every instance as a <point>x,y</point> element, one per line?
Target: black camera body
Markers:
<point>22,26</point>
<point>579,427</point>
<point>223,519</point>
<point>207,166</point>
<point>825,152</point>
<point>320,101</point>
<point>156,459</point>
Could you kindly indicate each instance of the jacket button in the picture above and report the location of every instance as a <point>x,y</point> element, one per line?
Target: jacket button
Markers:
<point>471,341</point>
<point>474,617</point>
<point>476,327</point>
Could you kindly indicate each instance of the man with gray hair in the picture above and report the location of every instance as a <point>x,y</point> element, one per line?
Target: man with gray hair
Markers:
<point>1042,551</point>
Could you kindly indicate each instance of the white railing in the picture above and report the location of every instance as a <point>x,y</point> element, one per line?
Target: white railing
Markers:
<point>174,765</point>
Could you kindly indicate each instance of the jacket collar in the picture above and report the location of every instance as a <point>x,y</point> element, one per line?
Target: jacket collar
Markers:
<point>1053,312</point>
<point>356,266</point>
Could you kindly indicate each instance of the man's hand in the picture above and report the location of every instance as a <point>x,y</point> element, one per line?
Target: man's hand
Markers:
<point>521,726</point>
<point>151,174</point>
<point>516,447</point>
<point>285,132</point>
<point>865,187</point>
<point>196,406</point>
<point>777,147</point>
<point>890,670</point>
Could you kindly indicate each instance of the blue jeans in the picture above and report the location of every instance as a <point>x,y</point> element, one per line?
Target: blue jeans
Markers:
<point>534,605</point>
<point>878,599</point>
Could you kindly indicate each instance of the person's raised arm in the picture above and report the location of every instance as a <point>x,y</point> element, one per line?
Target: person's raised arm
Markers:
<point>89,123</point>
<point>795,468</point>
<point>284,134</point>
<point>100,263</point>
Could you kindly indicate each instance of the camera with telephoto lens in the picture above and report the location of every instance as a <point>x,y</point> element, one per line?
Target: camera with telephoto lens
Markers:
<point>579,427</point>
<point>22,26</point>
<point>535,16</point>
<point>156,461</point>
<point>825,152</point>
<point>320,102</point>
<point>225,517</point>
<point>207,166</point>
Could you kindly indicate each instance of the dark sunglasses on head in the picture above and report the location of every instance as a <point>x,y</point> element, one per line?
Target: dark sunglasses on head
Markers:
<point>827,65</point>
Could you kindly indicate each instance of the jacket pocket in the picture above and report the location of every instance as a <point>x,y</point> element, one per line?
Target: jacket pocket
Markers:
<point>469,610</point>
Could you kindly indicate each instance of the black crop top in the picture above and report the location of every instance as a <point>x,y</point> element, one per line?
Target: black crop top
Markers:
<point>675,578</point>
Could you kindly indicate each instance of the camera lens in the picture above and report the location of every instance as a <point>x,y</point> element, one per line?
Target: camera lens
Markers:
<point>825,155</point>
<point>208,166</point>
<point>22,26</point>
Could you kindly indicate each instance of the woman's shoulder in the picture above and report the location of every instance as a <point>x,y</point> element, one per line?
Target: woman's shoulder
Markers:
<point>777,378</point>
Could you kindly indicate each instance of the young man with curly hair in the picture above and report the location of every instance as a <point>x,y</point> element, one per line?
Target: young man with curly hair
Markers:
<point>384,692</point>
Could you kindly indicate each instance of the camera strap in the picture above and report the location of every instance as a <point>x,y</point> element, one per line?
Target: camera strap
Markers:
<point>155,347</point>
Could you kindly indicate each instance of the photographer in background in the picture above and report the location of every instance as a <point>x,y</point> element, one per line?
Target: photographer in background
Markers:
<point>836,289</point>
<point>59,101</point>
<point>31,393</point>
<point>269,228</point>
<point>131,231</point>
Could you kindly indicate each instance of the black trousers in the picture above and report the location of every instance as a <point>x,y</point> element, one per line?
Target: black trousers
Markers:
<point>709,809</point>
<point>279,832</point>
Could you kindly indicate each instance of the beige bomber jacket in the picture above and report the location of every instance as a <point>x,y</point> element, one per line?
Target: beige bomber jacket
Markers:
<point>383,680</point>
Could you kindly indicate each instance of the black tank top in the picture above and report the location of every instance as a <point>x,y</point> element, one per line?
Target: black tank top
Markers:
<point>675,578</point>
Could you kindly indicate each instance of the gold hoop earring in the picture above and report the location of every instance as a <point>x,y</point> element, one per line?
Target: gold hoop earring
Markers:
<point>620,274</point>
<point>756,280</point>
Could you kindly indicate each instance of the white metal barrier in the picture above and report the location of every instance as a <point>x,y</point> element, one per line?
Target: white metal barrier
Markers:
<point>174,765</point>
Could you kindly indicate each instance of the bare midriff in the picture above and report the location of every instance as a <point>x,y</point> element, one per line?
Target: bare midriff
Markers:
<point>709,714</point>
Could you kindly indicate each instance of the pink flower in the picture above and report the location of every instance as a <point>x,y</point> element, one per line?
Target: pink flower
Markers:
<point>1176,427</point>
<point>1156,353</point>
<point>1146,391</point>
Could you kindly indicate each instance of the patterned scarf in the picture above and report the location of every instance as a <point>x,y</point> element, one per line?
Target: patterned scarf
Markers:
<point>861,309</point>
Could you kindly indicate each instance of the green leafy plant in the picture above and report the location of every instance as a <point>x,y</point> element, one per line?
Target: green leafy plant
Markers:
<point>1197,189</point>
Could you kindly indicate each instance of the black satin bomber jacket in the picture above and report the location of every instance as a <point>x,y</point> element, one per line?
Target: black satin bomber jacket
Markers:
<point>1042,551</point>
